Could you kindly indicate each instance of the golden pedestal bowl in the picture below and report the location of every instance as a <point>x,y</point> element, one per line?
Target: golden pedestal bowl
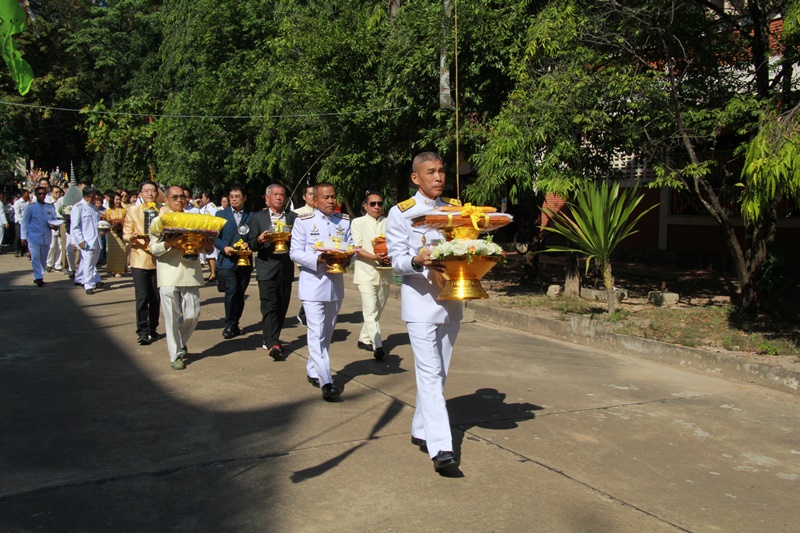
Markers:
<point>244,257</point>
<point>337,261</point>
<point>189,240</point>
<point>463,276</point>
<point>280,240</point>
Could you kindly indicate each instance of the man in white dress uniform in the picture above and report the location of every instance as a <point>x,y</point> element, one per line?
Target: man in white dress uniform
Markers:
<point>433,325</point>
<point>320,292</point>
<point>85,235</point>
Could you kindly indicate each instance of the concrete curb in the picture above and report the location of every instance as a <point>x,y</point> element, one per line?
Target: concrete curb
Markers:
<point>586,332</point>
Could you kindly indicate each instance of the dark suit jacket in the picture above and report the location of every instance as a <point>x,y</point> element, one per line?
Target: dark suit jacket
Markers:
<point>229,235</point>
<point>268,264</point>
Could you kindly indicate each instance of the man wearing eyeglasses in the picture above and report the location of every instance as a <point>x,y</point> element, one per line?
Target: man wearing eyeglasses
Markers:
<point>373,272</point>
<point>433,324</point>
<point>37,232</point>
<point>235,278</point>
<point>321,292</point>
<point>179,281</point>
<point>143,263</point>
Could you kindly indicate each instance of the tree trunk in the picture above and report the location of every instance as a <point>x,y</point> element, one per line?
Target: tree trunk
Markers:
<point>572,281</point>
<point>608,281</point>
<point>445,97</point>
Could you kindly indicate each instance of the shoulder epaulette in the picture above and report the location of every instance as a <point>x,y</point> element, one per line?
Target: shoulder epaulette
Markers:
<point>344,216</point>
<point>405,205</point>
<point>451,201</point>
<point>307,215</point>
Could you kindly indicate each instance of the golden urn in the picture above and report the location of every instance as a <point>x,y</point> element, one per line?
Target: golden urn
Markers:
<point>463,276</point>
<point>241,250</point>
<point>280,239</point>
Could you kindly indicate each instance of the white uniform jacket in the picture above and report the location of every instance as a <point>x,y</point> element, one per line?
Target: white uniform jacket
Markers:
<point>84,219</point>
<point>34,226</point>
<point>420,288</point>
<point>315,284</point>
<point>365,229</point>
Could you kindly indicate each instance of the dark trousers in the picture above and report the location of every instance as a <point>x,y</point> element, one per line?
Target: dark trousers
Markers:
<point>236,282</point>
<point>275,295</point>
<point>18,246</point>
<point>148,300</point>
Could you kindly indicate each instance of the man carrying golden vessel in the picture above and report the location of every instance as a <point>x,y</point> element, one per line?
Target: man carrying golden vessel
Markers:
<point>179,282</point>
<point>433,325</point>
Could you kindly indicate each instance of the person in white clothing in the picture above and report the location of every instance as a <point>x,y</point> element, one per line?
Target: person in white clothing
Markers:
<point>321,293</point>
<point>207,207</point>
<point>20,205</point>
<point>3,221</point>
<point>373,272</point>
<point>308,207</point>
<point>85,235</point>
<point>433,325</point>
<point>56,252</point>
<point>179,281</point>
<point>36,232</point>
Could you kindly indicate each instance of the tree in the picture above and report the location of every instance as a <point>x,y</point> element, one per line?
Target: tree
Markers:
<point>601,218</point>
<point>676,84</point>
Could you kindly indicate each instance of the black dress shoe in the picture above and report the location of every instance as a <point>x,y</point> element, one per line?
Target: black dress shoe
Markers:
<point>378,354</point>
<point>39,282</point>
<point>89,291</point>
<point>330,393</point>
<point>314,381</point>
<point>143,339</point>
<point>276,353</point>
<point>363,346</point>
<point>228,333</point>
<point>100,284</point>
<point>444,460</point>
<point>154,336</point>
<point>420,443</point>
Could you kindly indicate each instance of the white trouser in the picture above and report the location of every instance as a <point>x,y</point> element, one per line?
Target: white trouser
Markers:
<point>54,254</point>
<point>180,307</point>
<point>373,300</point>
<point>321,319</point>
<point>38,258</point>
<point>2,233</point>
<point>433,346</point>
<point>73,257</point>
<point>89,276</point>
<point>213,255</point>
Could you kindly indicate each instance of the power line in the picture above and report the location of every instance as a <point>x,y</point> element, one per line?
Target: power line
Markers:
<point>235,117</point>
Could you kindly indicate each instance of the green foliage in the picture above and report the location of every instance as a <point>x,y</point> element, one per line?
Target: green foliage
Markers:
<point>772,165</point>
<point>602,216</point>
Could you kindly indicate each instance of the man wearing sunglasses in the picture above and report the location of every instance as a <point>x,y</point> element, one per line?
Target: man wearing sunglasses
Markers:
<point>37,233</point>
<point>373,272</point>
<point>179,281</point>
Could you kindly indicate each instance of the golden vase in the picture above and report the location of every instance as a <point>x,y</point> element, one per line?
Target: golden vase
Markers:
<point>463,276</point>
<point>280,240</point>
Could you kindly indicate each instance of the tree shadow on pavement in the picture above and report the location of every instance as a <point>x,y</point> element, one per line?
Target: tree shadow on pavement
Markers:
<point>486,408</point>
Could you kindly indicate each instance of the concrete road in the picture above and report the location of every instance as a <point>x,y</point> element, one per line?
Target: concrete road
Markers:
<point>99,434</point>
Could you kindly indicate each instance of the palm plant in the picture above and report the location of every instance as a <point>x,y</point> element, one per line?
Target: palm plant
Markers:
<point>602,216</point>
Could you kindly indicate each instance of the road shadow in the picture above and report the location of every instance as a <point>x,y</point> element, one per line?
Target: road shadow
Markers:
<point>486,408</point>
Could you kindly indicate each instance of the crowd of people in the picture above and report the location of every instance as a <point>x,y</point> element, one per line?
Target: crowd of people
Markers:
<point>117,227</point>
